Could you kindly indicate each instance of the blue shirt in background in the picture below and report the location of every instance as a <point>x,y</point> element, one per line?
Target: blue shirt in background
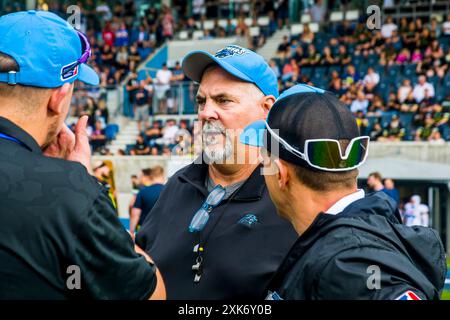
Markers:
<point>146,199</point>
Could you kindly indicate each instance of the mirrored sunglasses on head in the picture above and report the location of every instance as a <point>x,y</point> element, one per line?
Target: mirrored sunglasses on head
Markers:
<point>326,154</point>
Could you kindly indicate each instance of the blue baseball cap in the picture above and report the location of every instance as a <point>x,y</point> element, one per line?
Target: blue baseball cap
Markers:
<point>239,62</point>
<point>46,48</point>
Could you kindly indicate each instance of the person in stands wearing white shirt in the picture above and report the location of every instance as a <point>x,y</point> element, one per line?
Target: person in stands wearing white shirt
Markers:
<point>162,85</point>
<point>169,134</point>
<point>416,213</point>
<point>446,27</point>
<point>423,89</point>
<point>388,28</point>
<point>371,79</point>
<point>404,90</point>
<point>360,104</point>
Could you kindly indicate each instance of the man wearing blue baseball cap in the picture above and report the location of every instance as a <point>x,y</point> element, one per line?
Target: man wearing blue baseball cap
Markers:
<point>59,235</point>
<point>214,232</point>
<point>350,245</point>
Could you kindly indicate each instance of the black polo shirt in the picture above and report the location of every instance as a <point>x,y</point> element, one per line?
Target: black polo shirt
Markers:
<point>57,221</point>
<point>246,239</point>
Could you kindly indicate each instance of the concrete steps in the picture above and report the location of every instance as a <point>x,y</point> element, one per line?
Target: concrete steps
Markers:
<point>269,49</point>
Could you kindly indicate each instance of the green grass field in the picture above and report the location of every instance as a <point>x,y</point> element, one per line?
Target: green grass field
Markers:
<point>446,294</point>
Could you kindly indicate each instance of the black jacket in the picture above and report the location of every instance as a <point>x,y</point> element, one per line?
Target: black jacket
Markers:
<point>240,255</point>
<point>55,218</point>
<point>337,255</point>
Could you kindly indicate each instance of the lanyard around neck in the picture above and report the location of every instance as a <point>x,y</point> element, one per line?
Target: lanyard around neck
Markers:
<point>6,137</point>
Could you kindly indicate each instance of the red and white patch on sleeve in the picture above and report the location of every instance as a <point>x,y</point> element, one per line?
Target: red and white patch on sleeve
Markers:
<point>408,295</point>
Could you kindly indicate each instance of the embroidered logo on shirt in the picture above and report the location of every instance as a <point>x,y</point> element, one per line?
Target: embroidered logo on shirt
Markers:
<point>408,295</point>
<point>248,220</point>
<point>273,296</point>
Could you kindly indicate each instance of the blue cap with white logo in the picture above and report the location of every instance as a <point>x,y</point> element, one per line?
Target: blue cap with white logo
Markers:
<point>48,50</point>
<point>239,62</point>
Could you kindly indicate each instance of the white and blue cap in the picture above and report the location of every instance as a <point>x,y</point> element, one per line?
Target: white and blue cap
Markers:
<point>47,49</point>
<point>239,62</point>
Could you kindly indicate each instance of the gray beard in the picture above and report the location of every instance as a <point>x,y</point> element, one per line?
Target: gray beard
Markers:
<point>216,154</point>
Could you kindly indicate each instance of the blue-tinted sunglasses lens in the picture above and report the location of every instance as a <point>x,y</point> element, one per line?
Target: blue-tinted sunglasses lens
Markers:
<point>199,220</point>
<point>215,196</point>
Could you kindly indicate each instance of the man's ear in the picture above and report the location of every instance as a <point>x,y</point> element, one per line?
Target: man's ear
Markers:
<point>267,103</point>
<point>283,174</point>
<point>55,103</point>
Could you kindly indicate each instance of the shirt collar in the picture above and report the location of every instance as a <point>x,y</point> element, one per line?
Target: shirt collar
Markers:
<point>11,129</point>
<point>345,202</point>
<point>252,189</point>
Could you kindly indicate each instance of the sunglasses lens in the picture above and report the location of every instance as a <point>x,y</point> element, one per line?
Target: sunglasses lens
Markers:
<point>215,196</point>
<point>85,48</point>
<point>326,154</point>
<point>199,220</point>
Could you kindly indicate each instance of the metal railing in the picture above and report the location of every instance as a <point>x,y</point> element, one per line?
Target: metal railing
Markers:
<point>176,99</point>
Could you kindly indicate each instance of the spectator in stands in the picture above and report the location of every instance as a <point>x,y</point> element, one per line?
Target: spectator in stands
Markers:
<point>274,66</point>
<point>351,76</point>
<point>416,213</point>
<point>318,11</point>
<point>307,36</point>
<point>436,137</point>
<point>423,89</point>
<point>404,90</point>
<point>97,138</point>
<point>390,190</point>
<point>312,58</point>
<point>153,133</point>
<point>168,23</point>
<point>134,57</point>
<point>327,58</point>
<point>343,56</point>
<point>298,54</point>
<point>281,11</point>
<point>371,79</point>
<point>198,9</point>
<point>121,38</point>
<point>140,148</point>
<point>425,39</point>
<point>108,35</point>
<point>446,27</point>
<point>376,132</point>
<point>424,132</point>
<point>394,131</point>
<point>142,110</point>
<point>176,80</point>
<point>169,134</point>
<point>162,86</point>
<point>435,50</point>
<point>416,56</point>
<point>283,48</point>
<point>388,27</point>
<point>121,60</point>
<point>153,183</point>
<point>131,87</point>
<point>403,57</point>
<point>183,141</point>
<point>374,181</point>
<point>360,104</point>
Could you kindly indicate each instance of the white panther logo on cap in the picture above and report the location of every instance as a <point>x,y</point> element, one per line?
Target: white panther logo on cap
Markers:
<point>230,51</point>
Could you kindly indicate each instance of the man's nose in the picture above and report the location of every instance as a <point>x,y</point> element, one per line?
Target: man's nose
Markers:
<point>208,112</point>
